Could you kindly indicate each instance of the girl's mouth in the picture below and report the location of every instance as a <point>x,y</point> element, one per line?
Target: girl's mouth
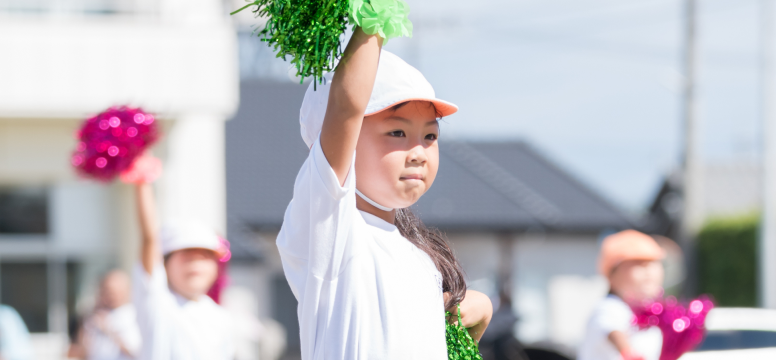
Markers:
<point>412,177</point>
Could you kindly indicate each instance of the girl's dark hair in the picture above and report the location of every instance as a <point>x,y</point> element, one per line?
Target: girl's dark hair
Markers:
<point>434,244</point>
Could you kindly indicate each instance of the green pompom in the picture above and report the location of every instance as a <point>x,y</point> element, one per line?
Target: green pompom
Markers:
<point>387,18</point>
<point>310,31</point>
<point>307,30</point>
<point>460,345</point>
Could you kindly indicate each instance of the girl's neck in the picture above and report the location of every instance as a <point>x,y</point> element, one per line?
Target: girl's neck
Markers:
<point>387,216</point>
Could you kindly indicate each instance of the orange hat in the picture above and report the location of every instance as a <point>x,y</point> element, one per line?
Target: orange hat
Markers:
<point>627,245</point>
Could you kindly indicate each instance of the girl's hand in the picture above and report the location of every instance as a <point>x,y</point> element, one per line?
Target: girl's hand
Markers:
<point>631,356</point>
<point>145,170</point>
<point>620,341</point>
<point>476,311</point>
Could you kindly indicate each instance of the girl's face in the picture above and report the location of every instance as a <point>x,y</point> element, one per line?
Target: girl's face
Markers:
<point>191,272</point>
<point>397,156</point>
<point>636,281</point>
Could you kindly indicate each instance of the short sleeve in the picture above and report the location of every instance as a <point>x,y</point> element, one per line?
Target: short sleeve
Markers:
<point>612,315</point>
<point>328,178</point>
<point>317,222</point>
<point>148,289</point>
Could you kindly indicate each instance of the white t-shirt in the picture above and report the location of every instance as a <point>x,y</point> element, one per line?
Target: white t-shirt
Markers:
<point>614,314</point>
<point>119,323</point>
<point>364,291</point>
<point>173,327</point>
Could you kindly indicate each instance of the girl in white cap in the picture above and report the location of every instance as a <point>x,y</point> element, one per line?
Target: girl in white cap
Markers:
<point>372,282</point>
<point>178,265</point>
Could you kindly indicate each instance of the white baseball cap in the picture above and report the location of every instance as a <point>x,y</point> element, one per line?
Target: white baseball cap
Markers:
<point>396,82</point>
<point>178,235</point>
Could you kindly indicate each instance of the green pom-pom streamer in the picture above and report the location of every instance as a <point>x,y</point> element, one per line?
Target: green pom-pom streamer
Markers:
<point>388,18</point>
<point>310,31</point>
<point>460,345</point>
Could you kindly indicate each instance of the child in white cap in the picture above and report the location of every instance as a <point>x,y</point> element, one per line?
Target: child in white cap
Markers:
<point>372,282</point>
<point>630,260</point>
<point>178,265</point>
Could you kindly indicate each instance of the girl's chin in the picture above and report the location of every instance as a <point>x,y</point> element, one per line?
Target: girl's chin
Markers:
<point>411,189</point>
<point>404,201</point>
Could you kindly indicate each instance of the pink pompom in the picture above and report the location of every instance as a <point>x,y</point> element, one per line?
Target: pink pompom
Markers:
<point>110,141</point>
<point>682,325</point>
<point>222,280</point>
<point>144,170</point>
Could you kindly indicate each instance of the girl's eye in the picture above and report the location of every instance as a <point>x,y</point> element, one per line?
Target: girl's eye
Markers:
<point>397,133</point>
<point>431,137</point>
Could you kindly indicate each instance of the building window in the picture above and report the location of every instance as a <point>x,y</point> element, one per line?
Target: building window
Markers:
<point>23,286</point>
<point>23,210</point>
<point>26,286</point>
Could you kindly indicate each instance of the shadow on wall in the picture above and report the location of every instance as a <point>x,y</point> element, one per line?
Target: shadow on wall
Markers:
<point>284,307</point>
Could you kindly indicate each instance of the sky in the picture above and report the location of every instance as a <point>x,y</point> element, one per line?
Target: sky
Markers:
<point>594,85</point>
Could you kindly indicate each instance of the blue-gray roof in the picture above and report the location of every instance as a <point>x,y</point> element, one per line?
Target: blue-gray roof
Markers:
<point>505,186</point>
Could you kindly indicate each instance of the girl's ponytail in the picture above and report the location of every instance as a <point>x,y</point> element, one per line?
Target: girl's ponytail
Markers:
<point>434,244</point>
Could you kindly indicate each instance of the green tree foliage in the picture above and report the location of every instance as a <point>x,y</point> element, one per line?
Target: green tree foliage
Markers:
<point>727,260</point>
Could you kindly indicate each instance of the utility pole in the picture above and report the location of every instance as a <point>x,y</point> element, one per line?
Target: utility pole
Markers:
<point>692,184</point>
<point>767,245</point>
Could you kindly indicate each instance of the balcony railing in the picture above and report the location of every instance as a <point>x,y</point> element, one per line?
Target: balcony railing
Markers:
<point>79,7</point>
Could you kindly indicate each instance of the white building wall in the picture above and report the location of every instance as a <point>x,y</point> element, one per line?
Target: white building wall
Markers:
<point>193,186</point>
<point>732,189</point>
<point>60,64</point>
<point>478,254</point>
<point>71,67</point>
<point>557,286</point>
<point>554,280</point>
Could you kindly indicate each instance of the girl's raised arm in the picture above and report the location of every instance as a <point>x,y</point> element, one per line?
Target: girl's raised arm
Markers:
<point>349,96</point>
<point>150,250</point>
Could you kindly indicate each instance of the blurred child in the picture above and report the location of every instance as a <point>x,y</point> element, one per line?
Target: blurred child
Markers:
<point>177,268</point>
<point>111,331</point>
<point>631,262</point>
<point>371,280</point>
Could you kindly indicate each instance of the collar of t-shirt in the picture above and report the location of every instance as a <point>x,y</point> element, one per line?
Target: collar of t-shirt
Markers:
<point>183,302</point>
<point>379,223</point>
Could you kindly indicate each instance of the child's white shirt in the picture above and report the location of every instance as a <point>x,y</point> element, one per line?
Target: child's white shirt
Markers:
<point>613,314</point>
<point>173,327</point>
<point>364,291</point>
<point>121,323</point>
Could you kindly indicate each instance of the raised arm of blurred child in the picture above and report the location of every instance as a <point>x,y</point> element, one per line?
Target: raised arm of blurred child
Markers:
<point>142,173</point>
<point>150,250</point>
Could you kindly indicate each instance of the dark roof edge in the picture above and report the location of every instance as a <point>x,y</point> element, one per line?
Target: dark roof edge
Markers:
<point>541,156</point>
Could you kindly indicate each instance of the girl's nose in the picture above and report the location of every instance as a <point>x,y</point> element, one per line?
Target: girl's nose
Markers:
<point>417,155</point>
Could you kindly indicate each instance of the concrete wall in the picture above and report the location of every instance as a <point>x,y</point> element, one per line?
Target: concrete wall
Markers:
<point>554,280</point>
<point>732,189</point>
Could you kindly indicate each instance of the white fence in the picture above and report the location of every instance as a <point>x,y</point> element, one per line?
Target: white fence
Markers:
<point>49,346</point>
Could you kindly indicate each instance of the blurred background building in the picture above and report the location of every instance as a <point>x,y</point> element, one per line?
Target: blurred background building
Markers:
<point>64,60</point>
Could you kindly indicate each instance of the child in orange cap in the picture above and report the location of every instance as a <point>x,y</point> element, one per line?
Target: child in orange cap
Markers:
<point>630,260</point>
